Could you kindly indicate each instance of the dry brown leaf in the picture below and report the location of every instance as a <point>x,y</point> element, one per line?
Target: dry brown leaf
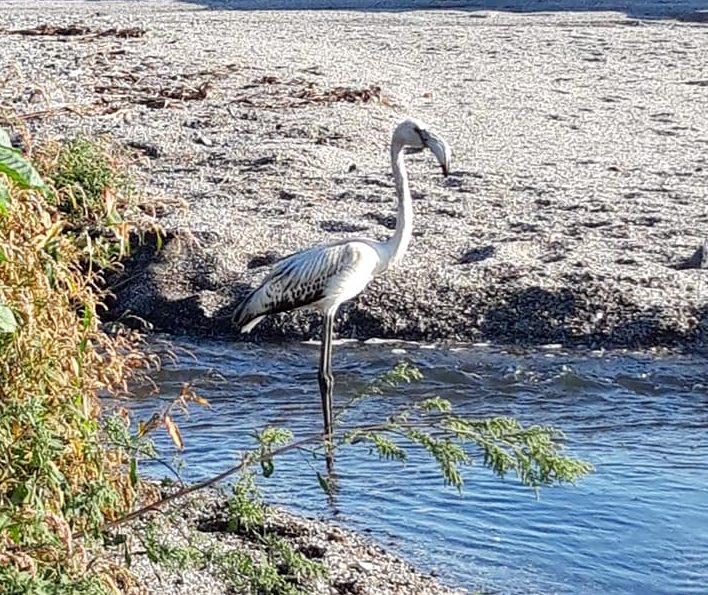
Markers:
<point>187,394</point>
<point>200,400</point>
<point>124,414</point>
<point>174,432</point>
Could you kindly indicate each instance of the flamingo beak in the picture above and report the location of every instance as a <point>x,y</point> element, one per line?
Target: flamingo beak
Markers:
<point>440,149</point>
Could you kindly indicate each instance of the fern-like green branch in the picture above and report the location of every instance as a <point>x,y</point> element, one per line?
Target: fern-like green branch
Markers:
<point>535,454</point>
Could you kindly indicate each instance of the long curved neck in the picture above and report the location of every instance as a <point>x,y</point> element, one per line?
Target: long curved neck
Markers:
<point>397,244</point>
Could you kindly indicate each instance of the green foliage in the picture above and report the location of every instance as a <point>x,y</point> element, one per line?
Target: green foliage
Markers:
<point>292,566</point>
<point>435,404</point>
<point>246,513</point>
<point>89,189</point>
<point>246,574</point>
<point>385,447</point>
<point>535,454</point>
<point>18,169</point>
<point>176,558</point>
<point>129,446</point>
<point>402,373</point>
<point>276,570</point>
<point>4,197</point>
<point>269,439</point>
<point>21,582</point>
<point>83,173</point>
<point>57,477</point>
<point>282,570</point>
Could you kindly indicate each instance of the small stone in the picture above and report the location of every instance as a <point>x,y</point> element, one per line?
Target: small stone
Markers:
<point>335,535</point>
<point>362,566</point>
<point>203,140</point>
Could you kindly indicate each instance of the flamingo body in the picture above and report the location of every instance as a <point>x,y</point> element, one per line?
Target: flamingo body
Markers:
<point>321,278</point>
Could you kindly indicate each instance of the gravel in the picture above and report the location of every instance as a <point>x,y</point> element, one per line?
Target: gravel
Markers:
<point>354,564</point>
<point>576,204</point>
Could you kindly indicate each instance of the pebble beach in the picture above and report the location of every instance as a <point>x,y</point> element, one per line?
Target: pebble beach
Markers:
<point>575,212</point>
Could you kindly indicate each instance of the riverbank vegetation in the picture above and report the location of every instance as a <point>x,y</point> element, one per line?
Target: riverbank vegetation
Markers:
<point>61,224</point>
<point>69,469</point>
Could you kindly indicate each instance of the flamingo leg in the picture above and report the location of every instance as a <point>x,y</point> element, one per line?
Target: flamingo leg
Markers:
<point>325,377</point>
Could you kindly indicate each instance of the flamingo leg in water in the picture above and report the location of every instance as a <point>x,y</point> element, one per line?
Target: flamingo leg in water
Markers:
<point>326,379</point>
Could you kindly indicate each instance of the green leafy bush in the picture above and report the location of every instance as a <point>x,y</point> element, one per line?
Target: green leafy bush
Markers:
<point>58,479</point>
<point>82,172</point>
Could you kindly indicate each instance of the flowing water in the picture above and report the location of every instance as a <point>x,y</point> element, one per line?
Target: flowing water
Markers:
<point>638,525</point>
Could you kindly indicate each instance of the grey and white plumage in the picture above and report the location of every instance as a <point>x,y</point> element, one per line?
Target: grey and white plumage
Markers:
<point>321,278</point>
<point>325,276</point>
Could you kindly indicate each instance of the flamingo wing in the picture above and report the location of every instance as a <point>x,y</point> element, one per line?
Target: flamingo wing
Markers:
<point>331,273</point>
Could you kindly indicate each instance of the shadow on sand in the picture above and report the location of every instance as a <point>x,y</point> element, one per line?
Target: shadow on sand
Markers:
<point>524,316</point>
<point>684,10</point>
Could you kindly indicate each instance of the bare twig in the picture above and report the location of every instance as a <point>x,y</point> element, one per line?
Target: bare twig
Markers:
<point>209,482</point>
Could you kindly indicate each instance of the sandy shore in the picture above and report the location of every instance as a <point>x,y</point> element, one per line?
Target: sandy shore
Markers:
<point>197,530</point>
<point>573,213</point>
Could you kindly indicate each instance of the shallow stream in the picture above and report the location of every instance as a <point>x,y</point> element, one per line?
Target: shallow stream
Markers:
<point>638,525</point>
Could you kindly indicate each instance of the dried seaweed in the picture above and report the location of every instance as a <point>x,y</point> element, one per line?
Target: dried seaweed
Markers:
<point>52,30</point>
<point>78,30</point>
<point>130,32</point>
<point>313,94</point>
<point>78,109</point>
<point>154,97</point>
<point>280,94</point>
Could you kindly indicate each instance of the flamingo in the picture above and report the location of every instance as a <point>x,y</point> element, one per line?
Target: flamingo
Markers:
<point>327,275</point>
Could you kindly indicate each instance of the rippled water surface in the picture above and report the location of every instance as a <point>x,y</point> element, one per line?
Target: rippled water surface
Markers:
<point>638,525</point>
